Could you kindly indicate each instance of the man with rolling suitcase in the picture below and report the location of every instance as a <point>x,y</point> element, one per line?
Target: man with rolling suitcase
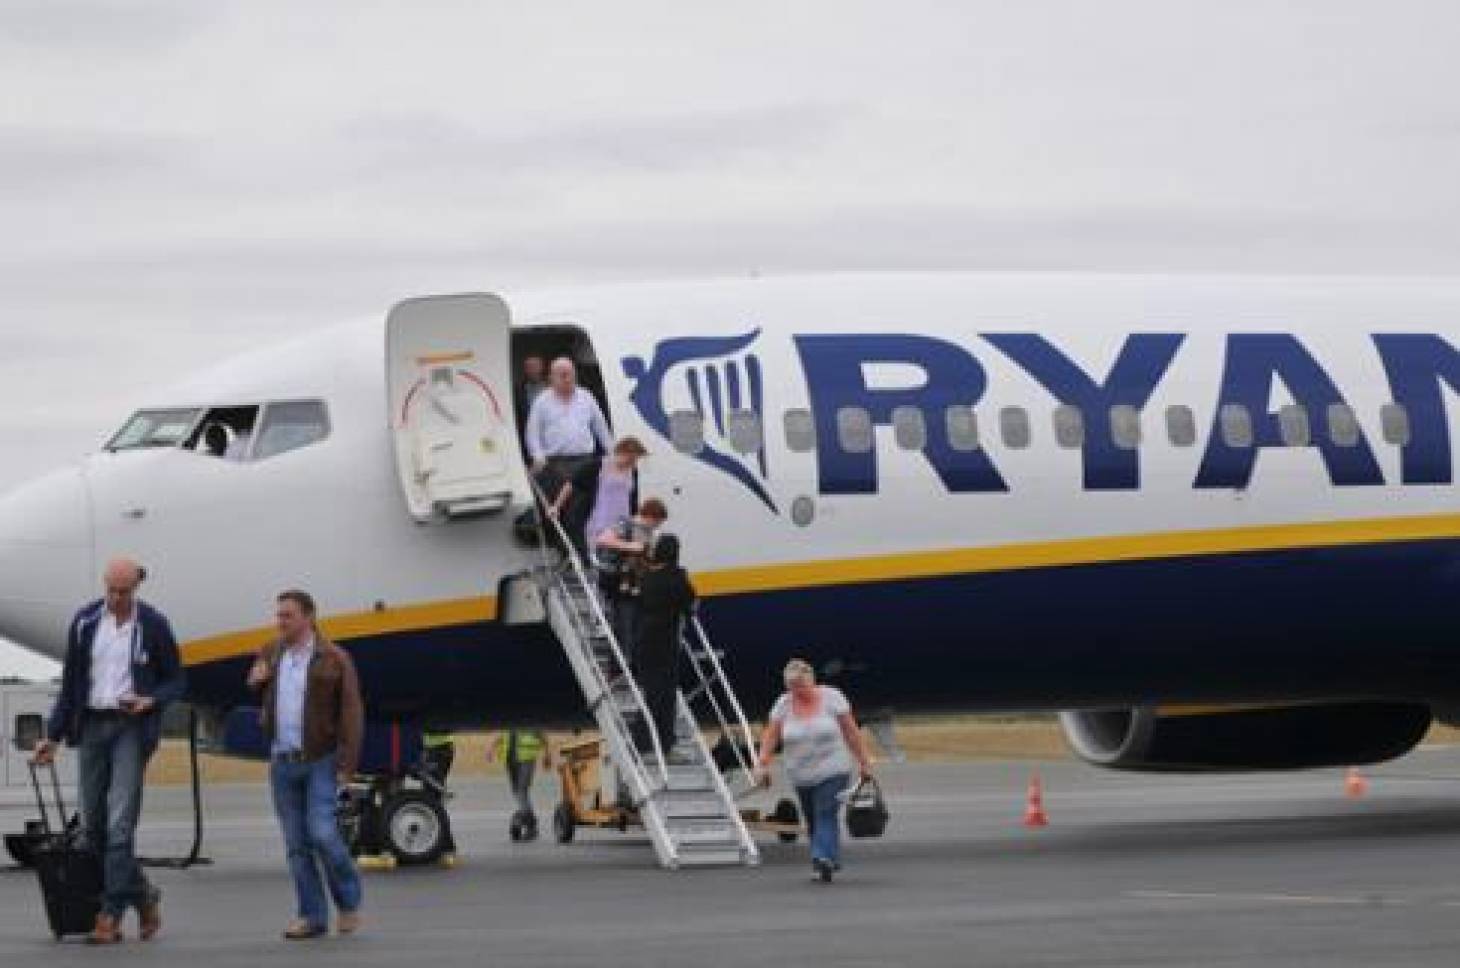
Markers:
<point>121,670</point>
<point>69,870</point>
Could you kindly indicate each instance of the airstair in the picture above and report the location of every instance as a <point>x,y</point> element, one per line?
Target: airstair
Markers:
<point>679,794</point>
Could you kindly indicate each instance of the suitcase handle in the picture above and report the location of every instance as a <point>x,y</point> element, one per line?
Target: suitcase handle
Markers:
<point>35,782</point>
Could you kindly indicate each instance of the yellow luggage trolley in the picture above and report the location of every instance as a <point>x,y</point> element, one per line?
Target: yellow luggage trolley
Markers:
<point>584,803</point>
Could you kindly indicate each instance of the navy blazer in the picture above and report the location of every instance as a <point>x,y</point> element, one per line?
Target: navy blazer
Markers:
<point>156,672</point>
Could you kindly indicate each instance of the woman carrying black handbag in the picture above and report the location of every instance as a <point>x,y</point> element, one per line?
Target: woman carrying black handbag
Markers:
<point>820,737</point>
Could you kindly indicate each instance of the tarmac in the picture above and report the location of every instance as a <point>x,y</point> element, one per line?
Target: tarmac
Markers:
<point>1133,870</point>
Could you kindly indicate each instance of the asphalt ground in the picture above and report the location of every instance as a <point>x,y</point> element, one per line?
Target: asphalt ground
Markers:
<point>1133,870</point>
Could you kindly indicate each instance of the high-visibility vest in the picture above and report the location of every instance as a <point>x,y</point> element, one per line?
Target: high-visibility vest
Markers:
<point>523,745</point>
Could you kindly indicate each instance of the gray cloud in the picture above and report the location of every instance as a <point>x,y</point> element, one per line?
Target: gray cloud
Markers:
<point>100,27</point>
<point>652,144</point>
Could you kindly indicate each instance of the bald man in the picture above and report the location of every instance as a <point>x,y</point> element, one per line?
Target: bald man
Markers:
<point>121,671</point>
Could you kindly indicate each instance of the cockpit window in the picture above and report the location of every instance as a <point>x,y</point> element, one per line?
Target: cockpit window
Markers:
<point>290,426</point>
<point>155,428</point>
<point>225,432</point>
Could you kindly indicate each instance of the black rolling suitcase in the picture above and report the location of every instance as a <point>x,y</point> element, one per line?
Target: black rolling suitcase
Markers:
<point>69,870</point>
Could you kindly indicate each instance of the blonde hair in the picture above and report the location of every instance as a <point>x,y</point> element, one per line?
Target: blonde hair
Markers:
<point>798,669</point>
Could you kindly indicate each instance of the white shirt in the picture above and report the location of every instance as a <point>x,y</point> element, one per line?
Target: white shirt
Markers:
<point>814,746</point>
<point>289,697</point>
<point>566,428</point>
<point>111,661</point>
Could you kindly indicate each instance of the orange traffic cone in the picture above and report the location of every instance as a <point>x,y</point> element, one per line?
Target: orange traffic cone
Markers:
<point>1354,784</point>
<point>1034,815</point>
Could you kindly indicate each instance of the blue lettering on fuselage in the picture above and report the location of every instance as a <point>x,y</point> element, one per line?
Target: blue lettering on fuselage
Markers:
<point>835,367</point>
<point>841,383</point>
<point>1133,378</point>
<point>1415,364</point>
<point>1253,361</point>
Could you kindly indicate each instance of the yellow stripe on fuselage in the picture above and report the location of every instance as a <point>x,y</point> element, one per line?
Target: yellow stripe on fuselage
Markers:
<point>1077,551</point>
<point>351,625</point>
<point>882,568</point>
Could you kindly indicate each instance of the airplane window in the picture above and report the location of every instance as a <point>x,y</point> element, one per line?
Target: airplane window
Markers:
<point>1293,426</point>
<point>854,428</point>
<point>745,431</point>
<point>909,427</point>
<point>1343,425</point>
<point>1125,426</point>
<point>1236,425</point>
<point>1014,426</point>
<point>1180,426</point>
<point>800,431</point>
<point>225,432</point>
<point>155,428</point>
<point>687,431</point>
<point>1395,420</point>
<point>290,426</point>
<point>1069,426</point>
<point>962,428</point>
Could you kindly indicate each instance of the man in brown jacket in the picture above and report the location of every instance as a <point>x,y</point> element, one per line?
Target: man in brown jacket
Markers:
<point>313,718</point>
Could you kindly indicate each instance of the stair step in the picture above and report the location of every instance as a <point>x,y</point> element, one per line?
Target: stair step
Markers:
<point>691,855</point>
<point>688,778</point>
<point>703,833</point>
<point>690,804</point>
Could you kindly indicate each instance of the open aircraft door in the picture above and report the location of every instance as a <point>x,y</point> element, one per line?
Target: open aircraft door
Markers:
<point>449,388</point>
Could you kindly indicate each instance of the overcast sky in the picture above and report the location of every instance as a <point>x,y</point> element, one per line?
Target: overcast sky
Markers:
<point>180,180</point>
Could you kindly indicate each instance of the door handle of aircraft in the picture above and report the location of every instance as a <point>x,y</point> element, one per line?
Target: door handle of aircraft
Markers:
<point>135,514</point>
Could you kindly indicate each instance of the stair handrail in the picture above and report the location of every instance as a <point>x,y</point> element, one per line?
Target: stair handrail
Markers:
<point>570,553</point>
<point>708,648</point>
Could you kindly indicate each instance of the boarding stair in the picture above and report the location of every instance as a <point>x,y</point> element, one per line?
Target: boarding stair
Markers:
<point>679,794</point>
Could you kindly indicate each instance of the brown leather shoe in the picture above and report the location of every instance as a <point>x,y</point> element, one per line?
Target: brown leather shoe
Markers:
<point>301,930</point>
<point>150,914</point>
<point>108,930</point>
<point>348,923</point>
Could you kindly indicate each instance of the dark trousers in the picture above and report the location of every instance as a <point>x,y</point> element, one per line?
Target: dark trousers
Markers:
<point>660,686</point>
<point>626,625</point>
<point>111,768</point>
<point>436,761</point>
<point>578,507</point>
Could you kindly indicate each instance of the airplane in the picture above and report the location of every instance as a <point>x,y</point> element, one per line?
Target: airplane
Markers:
<point>1210,519</point>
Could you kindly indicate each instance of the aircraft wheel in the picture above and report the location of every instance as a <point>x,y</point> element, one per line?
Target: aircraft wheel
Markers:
<point>563,823</point>
<point>416,827</point>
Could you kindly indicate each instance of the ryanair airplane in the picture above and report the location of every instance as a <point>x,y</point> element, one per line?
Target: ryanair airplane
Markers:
<point>1212,519</point>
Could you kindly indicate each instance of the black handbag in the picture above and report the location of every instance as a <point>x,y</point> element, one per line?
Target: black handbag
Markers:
<point>867,810</point>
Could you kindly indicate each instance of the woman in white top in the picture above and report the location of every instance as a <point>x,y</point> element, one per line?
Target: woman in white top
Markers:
<point>820,739</point>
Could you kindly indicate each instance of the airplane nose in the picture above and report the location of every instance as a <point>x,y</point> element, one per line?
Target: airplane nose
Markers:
<point>45,559</point>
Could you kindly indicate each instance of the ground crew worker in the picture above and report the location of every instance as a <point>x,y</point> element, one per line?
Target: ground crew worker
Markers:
<point>438,752</point>
<point>520,750</point>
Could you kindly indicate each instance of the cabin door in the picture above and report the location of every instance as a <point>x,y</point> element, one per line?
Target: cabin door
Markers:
<point>449,389</point>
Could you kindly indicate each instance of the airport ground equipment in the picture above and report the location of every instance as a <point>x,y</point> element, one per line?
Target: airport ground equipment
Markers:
<point>583,801</point>
<point>400,817</point>
<point>68,869</point>
<point>678,795</point>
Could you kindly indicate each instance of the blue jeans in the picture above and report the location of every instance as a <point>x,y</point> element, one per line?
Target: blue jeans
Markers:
<point>821,809</point>
<point>111,766</point>
<point>304,799</point>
